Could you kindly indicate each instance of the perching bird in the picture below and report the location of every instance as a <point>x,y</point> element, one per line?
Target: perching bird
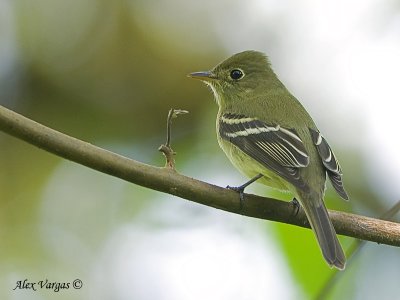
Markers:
<point>269,136</point>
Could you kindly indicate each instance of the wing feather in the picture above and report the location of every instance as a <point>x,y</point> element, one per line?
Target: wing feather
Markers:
<point>330,162</point>
<point>277,148</point>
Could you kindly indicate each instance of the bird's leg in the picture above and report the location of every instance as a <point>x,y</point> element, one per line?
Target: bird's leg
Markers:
<point>240,189</point>
<point>296,206</point>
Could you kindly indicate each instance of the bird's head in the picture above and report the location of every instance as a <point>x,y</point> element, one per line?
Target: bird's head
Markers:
<point>237,77</point>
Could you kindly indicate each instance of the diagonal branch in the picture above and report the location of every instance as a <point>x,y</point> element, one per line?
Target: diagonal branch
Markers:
<point>169,181</point>
<point>351,253</point>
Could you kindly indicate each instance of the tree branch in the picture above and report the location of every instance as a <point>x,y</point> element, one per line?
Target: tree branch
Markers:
<point>169,181</point>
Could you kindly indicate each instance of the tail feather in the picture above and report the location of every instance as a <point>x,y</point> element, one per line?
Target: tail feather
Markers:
<point>322,226</point>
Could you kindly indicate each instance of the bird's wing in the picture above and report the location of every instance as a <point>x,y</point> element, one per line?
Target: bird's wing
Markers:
<point>278,149</point>
<point>330,162</point>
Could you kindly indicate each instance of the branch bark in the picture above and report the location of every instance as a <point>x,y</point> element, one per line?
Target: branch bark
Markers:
<point>169,181</point>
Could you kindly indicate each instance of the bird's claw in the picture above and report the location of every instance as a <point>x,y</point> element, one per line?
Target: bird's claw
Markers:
<point>240,190</point>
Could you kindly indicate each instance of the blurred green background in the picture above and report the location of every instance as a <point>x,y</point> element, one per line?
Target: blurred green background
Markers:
<point>107,72</point>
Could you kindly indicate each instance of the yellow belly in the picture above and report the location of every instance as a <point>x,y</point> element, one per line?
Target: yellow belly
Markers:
<point>251,167</point>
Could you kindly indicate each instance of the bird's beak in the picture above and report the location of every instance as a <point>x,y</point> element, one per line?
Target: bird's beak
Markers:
<point>203,75</point>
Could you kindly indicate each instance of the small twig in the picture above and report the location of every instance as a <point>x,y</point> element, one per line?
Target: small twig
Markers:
<point>354,249</point>
<point>166,148</point>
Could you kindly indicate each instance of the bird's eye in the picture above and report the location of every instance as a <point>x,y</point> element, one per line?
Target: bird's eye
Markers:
<point>236,74</point>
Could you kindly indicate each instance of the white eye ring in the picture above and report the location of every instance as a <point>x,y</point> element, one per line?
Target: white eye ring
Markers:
<point>236,74</point>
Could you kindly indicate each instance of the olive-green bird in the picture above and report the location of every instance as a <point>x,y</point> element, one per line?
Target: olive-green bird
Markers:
<point>268,135</point>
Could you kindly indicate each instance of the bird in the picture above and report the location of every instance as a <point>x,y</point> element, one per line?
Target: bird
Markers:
<point>268,135</point>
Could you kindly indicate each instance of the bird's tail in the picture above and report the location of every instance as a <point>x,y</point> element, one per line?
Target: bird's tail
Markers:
<point>322,226</point>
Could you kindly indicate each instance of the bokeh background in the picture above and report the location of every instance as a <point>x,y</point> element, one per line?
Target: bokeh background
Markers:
<point>107,72</point>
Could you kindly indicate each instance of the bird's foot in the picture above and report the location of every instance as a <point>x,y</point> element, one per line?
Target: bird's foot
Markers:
<point>240,189</point>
